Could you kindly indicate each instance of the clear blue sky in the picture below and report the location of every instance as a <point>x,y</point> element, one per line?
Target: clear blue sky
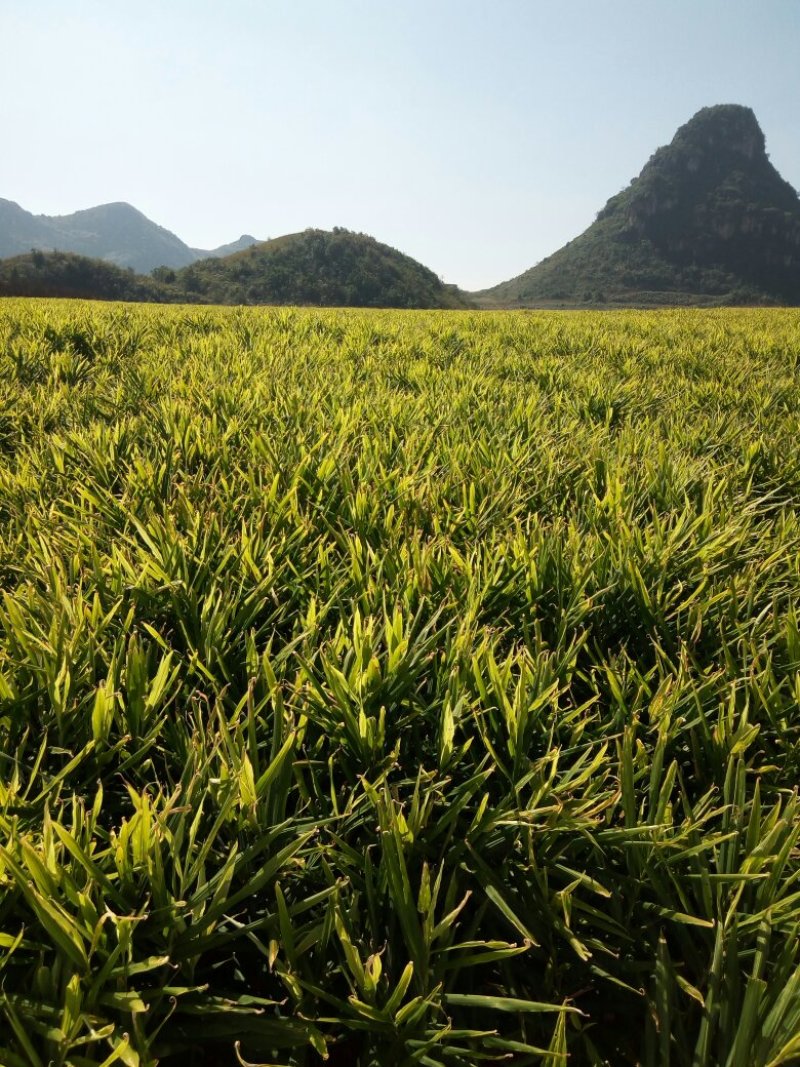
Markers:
<point>475,135</point>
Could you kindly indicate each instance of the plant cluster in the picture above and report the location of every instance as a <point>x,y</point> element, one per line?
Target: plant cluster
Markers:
<point>398,688</point>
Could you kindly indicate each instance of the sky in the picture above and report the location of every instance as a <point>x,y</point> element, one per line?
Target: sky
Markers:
<point>477,136</point>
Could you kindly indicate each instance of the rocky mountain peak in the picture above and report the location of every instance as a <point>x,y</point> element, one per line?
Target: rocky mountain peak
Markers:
<point>728,128</point>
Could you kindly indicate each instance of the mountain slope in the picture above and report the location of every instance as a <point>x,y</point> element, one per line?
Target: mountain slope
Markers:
<point>320,267</point>
<point>708,220</point>
<point>19,230</point>
<point>118,233</point>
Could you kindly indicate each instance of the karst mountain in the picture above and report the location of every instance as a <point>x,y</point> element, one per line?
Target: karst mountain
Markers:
<point>708,220</point>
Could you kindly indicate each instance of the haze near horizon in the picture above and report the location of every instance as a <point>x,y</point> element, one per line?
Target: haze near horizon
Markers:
<point>476,138</point>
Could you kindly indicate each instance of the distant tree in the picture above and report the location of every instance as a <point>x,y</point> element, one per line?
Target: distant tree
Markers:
<point>191,279</point>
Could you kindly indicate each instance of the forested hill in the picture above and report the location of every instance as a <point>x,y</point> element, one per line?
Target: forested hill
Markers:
<point>62,274</point>
<point>324,268</point>
<point>708,220</point>
<point>333,268</point>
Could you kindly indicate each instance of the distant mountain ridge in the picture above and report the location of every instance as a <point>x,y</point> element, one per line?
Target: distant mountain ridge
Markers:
<point>239,245</point>
<point>117,233</point>
<point>708,220</point>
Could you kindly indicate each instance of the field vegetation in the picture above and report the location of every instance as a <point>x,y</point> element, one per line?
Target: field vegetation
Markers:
<point>398,687</point>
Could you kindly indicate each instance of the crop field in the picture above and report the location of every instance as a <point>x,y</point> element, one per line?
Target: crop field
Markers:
<point>386,688</point>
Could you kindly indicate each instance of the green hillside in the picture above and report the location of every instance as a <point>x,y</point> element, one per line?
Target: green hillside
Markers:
<point>708,220</point>
<point>335,268</point>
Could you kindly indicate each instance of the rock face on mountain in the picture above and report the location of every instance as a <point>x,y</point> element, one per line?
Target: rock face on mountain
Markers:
<point>708,220</point>
<point>117,233</point>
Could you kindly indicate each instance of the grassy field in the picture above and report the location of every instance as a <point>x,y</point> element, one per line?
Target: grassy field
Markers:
<point>399,687</point>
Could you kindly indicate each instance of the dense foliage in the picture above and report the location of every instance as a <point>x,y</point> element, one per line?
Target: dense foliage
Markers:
<point>63,274</point>
<point>401,687</point>
<point>709,220</point>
